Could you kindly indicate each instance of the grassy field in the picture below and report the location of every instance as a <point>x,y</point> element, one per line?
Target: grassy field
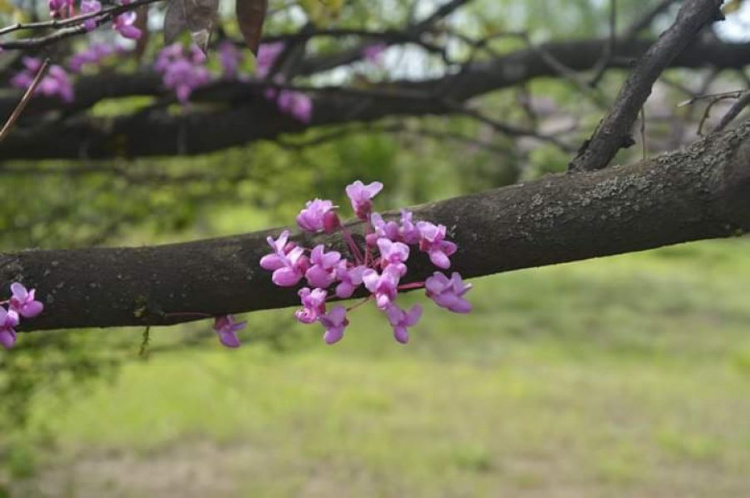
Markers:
<point>628,376</point>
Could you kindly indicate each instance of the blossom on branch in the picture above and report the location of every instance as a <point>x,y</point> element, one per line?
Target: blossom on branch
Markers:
<point>378,271</point>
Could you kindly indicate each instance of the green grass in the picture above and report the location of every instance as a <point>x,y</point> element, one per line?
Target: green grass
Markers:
<point>627,376</point>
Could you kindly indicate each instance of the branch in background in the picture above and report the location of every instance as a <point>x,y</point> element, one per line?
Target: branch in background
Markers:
<point>242,115</point>
<point>614,132</point>
<point>700,193</point>
<point>646,20</point>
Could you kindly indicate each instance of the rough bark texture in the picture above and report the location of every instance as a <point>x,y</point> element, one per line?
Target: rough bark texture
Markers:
<point>702,192</point>
<point>240,114</point>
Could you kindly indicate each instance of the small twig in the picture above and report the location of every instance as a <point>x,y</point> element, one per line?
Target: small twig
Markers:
<point>24,100</point>
<point>643,132</point>
<point>144,342</point>
<point>715,98</point>
<point>735,94</point>
<point>733,111</point>
<point>609,47</point>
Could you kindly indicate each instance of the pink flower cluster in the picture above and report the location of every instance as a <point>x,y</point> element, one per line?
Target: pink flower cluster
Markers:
<point>21,304</point>
<point>379,269</point>
<point>182,70</point>
<point>295,104</point>
<point>93,56</point>
<point>55,82</point>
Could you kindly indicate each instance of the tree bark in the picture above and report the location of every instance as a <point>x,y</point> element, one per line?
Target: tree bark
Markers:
<point>699,193</point>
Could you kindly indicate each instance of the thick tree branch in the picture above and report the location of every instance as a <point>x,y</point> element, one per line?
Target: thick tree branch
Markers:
<point>243,115</point>
<point>614,132</point>
<point>700,193</point>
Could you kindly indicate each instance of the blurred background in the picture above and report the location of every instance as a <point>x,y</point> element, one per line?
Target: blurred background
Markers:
<point>624,376</point>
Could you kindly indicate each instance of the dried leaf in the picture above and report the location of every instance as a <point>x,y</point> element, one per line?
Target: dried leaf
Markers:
<point>250,16</point>
<point>197,16</point>
<point>200,15</point>
<point>175,21</point>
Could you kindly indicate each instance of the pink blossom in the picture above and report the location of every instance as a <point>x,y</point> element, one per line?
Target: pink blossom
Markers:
<point>89,7</point>
<point>267,54</point>
<point>227,329</point>
<point>287,262</point>
<point>23,302</point>
<point>182,72</point>
<point>296,104</point>
<point>55,82</point>
<point>322,270</point>
<point>400,320</point>
<point>8,321</point>
<point>383,229</point>
<point>361,196</point>
<point>393,254</point>
<point>123,24</point>
<point>432,242</point>
<point>349,279</point>
<point>384,286</point>
<point>313,304</point>
<point>229,57</point>
<point>60,9</point>
<point>335,322</point>
<point>409,232</point>
<point>92,56</point>
<point>315,216</point>
<point>448,293</point>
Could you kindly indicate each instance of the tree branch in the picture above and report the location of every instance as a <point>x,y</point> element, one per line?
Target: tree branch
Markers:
<point>614,132</point>
<point>244,115</point>
<point>700,193</point>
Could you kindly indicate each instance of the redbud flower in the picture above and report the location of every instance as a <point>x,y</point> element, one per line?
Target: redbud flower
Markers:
<point>409,232</point>
<point>448,293</point>
<point>386,229</point>
<point>335,322</point>
<point>88,7</point>
<point>383,286</point>
<point>23,302</point>
<point>123,24</point>
<point>313,304</point>
<point>288,262</point>
<point>59,9</point>
<point>91,56</point>
<point>55,82</point>
<point>400,320</point>
<point>229,57</point>
<point>361,196</point>
<point>393,254</point>
<point>431,241</point>
<point>349,279</point>
<point>312,218</point>
<point>8,321</point>
<point>296,104</point>
<point>321,273</point>
<point>267,54</point>
<point>227,328</point>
